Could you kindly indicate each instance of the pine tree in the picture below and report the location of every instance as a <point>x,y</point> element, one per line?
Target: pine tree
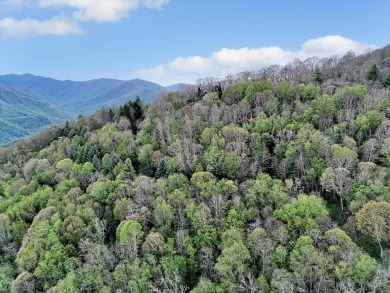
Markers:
<point>318,76</point>
<point>374,74</point>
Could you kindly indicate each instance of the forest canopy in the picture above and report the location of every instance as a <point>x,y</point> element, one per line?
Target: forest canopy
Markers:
<point>270,181</point>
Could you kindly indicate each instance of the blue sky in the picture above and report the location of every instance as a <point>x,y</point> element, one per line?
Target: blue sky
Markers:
<point>170,41</point>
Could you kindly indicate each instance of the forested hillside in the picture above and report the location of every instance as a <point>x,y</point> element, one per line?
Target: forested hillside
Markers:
<point>22,115</point>
<point>270,181</point>
<point>29,102</point>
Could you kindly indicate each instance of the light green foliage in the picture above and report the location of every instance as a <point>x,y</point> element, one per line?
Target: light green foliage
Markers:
<point>282,281</point>
<point>145,157</point>
<point>64,186</point>
<point>309,264</point>
<point>367,123</point>
<point>265,191</point>
<point>339,242</point>
<point>177,181</point>
<point>284,91</point>
<point>109,161</point>
<point>132,276</point>
<point>325,110</point>
<point>272,105</point>
<point>302,212</point>
<point>233,261</point>
<point>163,215</point>
<point>65,166</point>
<point>250,91</point>
<point>233,220</point>
<point>129,229</point>
<point>308,144</point>
<point>214,156</point>
<point>54,263</point>
<point>103,191</point>
<point>204,182</point>
<point>204,286</point>
<point>361,271</point>
<point>349,98</point>
<point>198,215</point>
<point>363,193</point>
<point>307,92</point>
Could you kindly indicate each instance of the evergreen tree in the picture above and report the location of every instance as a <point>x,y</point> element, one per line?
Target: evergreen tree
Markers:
<point>373,74</point>
<point>318,76</point>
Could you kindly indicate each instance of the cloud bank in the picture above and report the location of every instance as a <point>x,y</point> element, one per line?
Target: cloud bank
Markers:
<point>83,10</point>
<point>230,61</point>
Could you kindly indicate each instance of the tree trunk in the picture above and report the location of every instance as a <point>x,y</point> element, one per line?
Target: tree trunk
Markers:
<point>341,202</point>
<point>380,245</point>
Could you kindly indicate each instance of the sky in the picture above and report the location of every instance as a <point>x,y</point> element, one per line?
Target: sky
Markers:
<point>173,41</point>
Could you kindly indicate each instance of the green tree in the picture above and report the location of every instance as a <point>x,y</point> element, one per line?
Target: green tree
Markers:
<point>73,230</point>
<point>318,75</point>
<point>54,264</point>
<point>309,265</point>
<point>145,158</point>
<point>374,74</point>
<point>307,92</point>
<point>367,123</point>
<point>204,286</point>
<point>325,110</point>
<point>302,211</point>
<point>163,215</point>
<point>284,91</point>
<point>232,263</point>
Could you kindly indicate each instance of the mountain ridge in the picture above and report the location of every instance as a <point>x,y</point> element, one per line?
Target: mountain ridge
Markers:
<point>84,97</point>
<point>22,115</point>
<point>70,98</point>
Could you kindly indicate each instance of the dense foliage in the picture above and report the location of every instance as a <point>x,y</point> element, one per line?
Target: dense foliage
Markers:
<point>257,184</point>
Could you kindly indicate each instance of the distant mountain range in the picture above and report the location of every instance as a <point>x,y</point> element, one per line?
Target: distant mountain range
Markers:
<point>21,115</point>
<point>84,97</point>
<point>28,102</point>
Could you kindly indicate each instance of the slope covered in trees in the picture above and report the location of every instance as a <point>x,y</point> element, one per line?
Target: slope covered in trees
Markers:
<point>261,182</point>
<point>22,115</point>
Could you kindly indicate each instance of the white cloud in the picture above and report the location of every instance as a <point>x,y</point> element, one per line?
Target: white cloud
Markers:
<point>83,10</point>
<point>155,4</point>
<point>58,25</point>
<point>102,10</point>
<point>331,44</point>
<point>231,61</point>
